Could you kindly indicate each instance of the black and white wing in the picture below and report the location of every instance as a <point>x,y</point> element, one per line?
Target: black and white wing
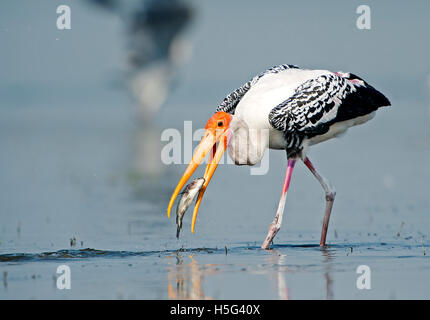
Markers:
<point>231,101</point>
<point>320,102</point>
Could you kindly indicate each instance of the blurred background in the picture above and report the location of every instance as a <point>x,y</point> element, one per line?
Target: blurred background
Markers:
<point>81,115</point>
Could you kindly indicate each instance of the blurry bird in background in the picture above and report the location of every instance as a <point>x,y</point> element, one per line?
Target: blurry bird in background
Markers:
<point>156,48</point>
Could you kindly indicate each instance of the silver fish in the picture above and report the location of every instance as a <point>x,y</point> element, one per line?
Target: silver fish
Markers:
<point>188,195</point>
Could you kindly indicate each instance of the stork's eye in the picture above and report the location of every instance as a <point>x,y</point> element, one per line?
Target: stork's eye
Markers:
<point>220,123</point>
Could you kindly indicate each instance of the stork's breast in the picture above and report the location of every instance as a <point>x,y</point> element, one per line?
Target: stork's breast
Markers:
<point>247,145</point>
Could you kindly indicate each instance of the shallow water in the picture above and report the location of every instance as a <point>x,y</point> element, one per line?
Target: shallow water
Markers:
<point>292,271</point>
<point>82,185</point>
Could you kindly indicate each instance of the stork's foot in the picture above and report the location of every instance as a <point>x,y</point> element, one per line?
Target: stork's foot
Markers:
<point>273,230</point>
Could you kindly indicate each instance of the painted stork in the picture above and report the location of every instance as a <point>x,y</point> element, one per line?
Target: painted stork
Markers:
<point>297,108</point>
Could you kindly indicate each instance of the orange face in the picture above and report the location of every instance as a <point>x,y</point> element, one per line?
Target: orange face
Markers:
<point>216,131</point>
<point>220,120</point>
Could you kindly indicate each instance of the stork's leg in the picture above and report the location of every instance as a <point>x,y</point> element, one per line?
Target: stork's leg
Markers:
<point>276,224</point>
<point>330,194</point>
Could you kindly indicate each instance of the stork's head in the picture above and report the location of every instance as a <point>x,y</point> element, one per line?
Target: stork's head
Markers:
<point>215,138</point>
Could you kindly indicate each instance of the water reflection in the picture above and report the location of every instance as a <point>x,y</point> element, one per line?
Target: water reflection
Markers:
<point>328,255</point>
<point>186,276</point>
<point>278,261</point>
<point>185,280</point>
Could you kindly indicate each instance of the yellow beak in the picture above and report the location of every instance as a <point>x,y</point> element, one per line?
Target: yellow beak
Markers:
<point>208,143</point>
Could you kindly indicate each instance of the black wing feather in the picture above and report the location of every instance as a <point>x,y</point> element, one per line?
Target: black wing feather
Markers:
<point>320,102</point>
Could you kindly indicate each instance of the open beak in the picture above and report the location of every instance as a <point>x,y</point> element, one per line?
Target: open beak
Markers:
<point>209,142</point>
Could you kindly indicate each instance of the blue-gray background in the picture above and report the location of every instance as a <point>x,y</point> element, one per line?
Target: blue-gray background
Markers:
<point>76,161</point>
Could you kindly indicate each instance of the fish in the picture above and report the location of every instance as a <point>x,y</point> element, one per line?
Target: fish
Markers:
<point>190,192</point>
